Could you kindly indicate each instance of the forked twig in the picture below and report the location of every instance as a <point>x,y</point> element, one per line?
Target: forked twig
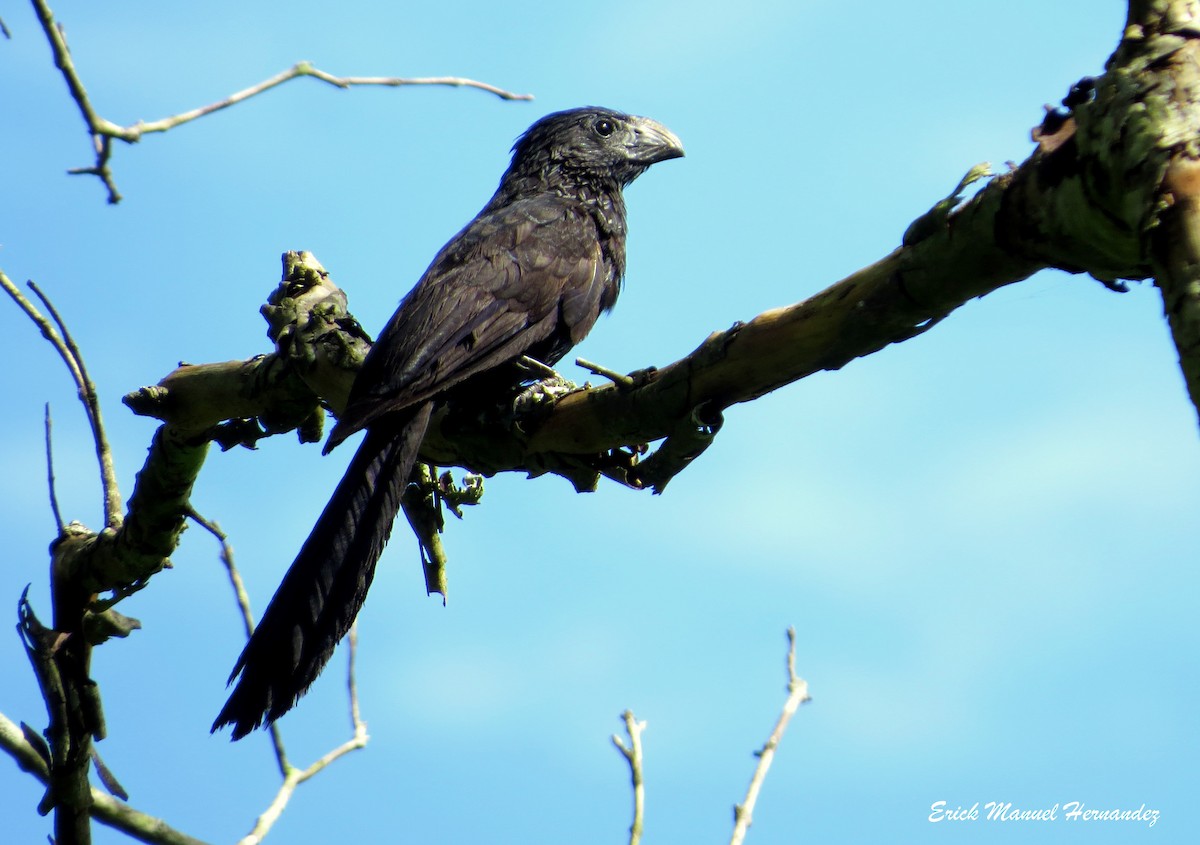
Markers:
<point>19,741</point>
<point>103,131</point>
<point>292,776</point>
<point>633,756</point>
<point>797,695</point>
<point>60,338</point>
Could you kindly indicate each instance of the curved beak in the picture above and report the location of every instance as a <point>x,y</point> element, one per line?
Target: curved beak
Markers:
<point>651,142</point>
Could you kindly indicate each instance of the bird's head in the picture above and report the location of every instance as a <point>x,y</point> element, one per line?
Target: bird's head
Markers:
<point>593,143</point>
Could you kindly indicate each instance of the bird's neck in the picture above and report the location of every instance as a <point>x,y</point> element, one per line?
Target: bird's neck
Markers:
<point>582,186</point>
<point>601,196</point>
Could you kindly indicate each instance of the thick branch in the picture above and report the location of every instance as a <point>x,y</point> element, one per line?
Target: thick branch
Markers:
<point>891,301</point>
<point>60,663</point>
<point>1086,200</point>
<point>951,255</point>
<point>958,256</point>
<point>1178,271</point>
<point>1163,41</point>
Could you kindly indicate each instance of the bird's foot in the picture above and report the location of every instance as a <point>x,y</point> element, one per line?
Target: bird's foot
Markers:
<point>542,393</point>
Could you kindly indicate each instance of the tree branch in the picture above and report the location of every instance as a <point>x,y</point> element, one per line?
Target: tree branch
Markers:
<point>955,252</point>
<point>59,524</point>
<point>1059,208</point>
<point>56,332</point>
<point>60,663</point>
<point>633,756</point>
<point>293,777</point>
<point>242,598</point>
<point>797,694</point>
<point>1163,42</point>
<point>16,741</point>
<point>103,131</point>
<point>61,656</point>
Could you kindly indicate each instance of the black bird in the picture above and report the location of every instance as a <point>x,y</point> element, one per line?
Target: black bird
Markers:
<point>527,277</point>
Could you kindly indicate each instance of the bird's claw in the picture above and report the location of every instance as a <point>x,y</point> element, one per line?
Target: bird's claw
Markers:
<point>546,391</point>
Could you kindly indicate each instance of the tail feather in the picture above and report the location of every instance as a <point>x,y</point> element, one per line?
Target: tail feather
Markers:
<point>323,590</point>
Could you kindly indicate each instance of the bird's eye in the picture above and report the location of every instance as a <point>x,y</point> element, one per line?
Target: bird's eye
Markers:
<point>604,127</point>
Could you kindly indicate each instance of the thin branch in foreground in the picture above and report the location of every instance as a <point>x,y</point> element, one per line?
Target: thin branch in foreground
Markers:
<point>103,131</point>
<point>797,695</point>
<point>95,123</point>
<point>633,756</point>
<point>243,602</point>
<point>133,134</point>
<point>619,379</point>
<point>18,742</point>
<point>356,721</point>
<point>295,777</point>
<point>292,777</point>
<point>58,519</point>
<point>91,406</point>
<point>64,344</point>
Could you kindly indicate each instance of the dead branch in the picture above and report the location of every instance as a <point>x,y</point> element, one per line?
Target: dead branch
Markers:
<point>103,132</point>
<point>633,757</point>
<point>23,744</point>
<point>1057,209</point>
<point>292,776</point>
<point>55,330</point>
<point>797,694</point>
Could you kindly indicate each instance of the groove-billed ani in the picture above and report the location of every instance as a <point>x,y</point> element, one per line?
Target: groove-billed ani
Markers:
<point>527,277</point>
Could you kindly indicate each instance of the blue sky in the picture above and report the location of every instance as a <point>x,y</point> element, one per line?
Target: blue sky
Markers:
<point>983,536</point>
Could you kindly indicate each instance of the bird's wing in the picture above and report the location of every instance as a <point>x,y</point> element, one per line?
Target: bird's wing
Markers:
<point>511,281</point>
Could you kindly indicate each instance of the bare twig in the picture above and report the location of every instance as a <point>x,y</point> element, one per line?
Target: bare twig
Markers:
<point>15,739</point>
<point>619,379</point>
<point>133,134</point>
<point>533,365</point>
<point>797,695</point>
<point>91,405</point>
<point>243,602</point>
<point>633,756</point>
<point>292,776</point>
<point>58,520</point>
<point>64,344</point>
<point>96,124</point>
<point>103,131</point>
<point>235,577</point>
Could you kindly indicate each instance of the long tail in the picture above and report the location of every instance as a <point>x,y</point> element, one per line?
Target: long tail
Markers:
<point>324,588</point>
